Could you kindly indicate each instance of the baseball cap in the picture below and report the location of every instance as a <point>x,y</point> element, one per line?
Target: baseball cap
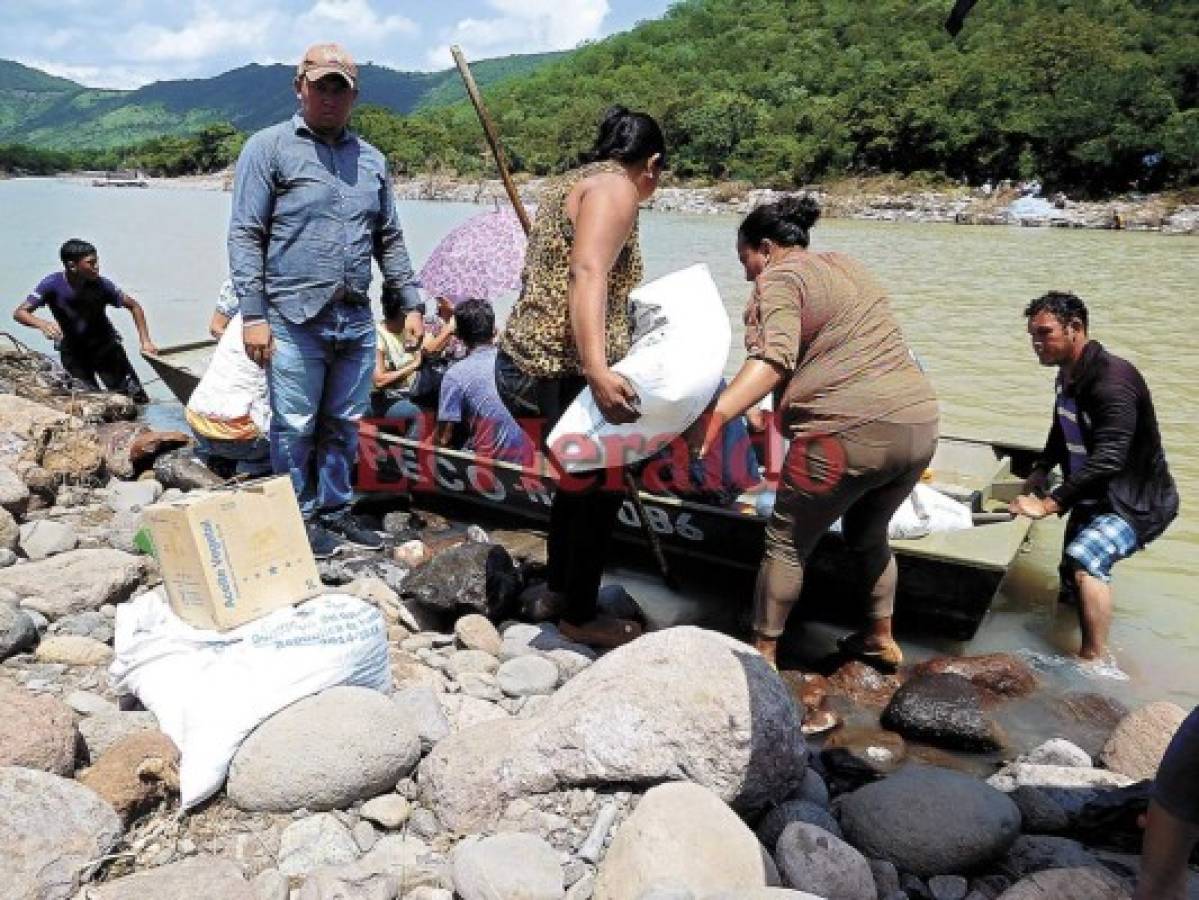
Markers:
<point>328,59</point>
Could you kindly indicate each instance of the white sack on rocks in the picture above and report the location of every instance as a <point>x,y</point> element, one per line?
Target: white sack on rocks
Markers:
<point>210,689</point>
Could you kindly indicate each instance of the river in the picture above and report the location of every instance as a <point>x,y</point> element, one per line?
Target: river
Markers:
<point>959,292</point>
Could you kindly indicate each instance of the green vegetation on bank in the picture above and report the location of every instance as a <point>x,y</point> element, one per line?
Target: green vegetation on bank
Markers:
<point>1087,95</point>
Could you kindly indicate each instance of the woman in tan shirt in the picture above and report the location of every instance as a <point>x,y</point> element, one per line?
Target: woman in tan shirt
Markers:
<point>861,416</point>
<point>569,326</point>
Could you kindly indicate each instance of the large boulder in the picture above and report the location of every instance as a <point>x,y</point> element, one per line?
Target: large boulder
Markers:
<point>812,859</point>
<point>1069,884</point>
<point>945,710</point>
<point>1002,674</point>
<point>679,704</point>
<point>36,731</point>
<point>681,836</point>
<point>1139,742</point>
<point>197,878</point>
<point>75,581</point>
<point>324,752</point>
<point>469,578</point>
<point>903,819</point>
<point>507,866</point>
<point>51,829</point>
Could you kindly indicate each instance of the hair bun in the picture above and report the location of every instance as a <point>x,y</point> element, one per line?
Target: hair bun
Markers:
<point>613,116</point>
<point>800,209</point>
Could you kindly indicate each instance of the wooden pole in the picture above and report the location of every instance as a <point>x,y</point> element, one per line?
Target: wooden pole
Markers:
<point>493,137</point>
<point>497,151</point>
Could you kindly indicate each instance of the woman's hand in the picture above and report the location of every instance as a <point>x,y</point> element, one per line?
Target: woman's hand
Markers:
<point>615,397</point>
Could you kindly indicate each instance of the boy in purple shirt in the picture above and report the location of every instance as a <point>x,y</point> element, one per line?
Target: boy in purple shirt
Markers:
<point>468,393</point>
<point>78,299</point>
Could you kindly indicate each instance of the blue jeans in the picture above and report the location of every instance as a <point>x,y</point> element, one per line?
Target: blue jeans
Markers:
<point>253,458</point>
<point>320,386</point>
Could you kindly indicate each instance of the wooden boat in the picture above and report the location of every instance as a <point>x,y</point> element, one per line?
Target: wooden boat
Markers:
<point>947,580</point>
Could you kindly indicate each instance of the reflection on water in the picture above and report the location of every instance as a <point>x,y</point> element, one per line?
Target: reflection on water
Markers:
<point>958,291</point>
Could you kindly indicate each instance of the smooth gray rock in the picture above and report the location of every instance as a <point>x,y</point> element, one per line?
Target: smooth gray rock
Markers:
<point>1040,813</point>
<point>364,835</point>
<point>1036,853</point>
<point>945,710</point>
<point>10,532</point>
<point>813,789</point>
<point>74,581</point>
<point>810,858</point>
<point>527,676</point>
<point>507,866</point>
<point>678,703</point>
<point>471,661</point>
<point>683,836</point>
<point>7,557</point>
<point>476,632</point>
<point>903,819</point>
<point>773,823</point>
<point>886,877</point>
<point>196,878</point>
<point>1058,752</point>
<point>17,631</point>
<point>948,887</point>
<point>14,494</point>
<point>319,840</point>
<point>91,624</point>
<point>388,811</point>
<point>422,710</point>
<point>101,730</point>
<point>130,496</point>
<point>355,744</point>
<point>50,829</point>
<point>46,538</point>
<point>1069,884</point>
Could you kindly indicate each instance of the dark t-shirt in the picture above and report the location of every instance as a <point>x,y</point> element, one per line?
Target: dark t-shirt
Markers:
<point>80,312</point>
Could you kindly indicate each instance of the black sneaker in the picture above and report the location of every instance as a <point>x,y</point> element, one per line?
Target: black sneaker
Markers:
<point>323,543</point>
<point>345,527</point>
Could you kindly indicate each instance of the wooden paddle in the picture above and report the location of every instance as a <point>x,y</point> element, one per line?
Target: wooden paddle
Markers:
<point>497,152</point>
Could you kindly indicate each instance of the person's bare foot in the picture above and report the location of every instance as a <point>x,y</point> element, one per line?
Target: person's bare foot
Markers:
<point>604,632</point>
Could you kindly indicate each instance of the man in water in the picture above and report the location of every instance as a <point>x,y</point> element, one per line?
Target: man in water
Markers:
<point>1116,485</point>
<point>312,204</point>
<point>78,298</point>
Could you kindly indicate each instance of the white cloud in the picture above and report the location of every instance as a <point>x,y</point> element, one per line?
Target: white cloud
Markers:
<point>524,26</point>
<point>114,77</point>
<point>356,18</point>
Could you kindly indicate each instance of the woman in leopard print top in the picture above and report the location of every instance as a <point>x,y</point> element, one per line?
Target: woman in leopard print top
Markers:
<point>569,326</point>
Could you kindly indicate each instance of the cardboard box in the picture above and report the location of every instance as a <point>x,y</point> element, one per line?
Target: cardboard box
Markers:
<point>231,556</point>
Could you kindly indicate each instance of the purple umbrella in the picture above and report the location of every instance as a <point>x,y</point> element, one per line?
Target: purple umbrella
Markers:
<point>482,258</point>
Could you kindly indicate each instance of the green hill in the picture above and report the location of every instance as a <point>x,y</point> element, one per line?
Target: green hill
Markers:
<point>1092,95</point>
<point>53,113</point>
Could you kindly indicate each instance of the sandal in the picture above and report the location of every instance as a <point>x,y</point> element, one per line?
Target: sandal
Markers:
<point>887,658</point>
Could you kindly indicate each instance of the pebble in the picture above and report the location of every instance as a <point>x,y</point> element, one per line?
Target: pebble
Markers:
<point>364,836</point>
<point>527,675</point>
<point>7,558</point>
<point>948,887</point>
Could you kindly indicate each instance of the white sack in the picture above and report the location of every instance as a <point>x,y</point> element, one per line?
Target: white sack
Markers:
<point>210,689</point>
<point>233,385</point>
<point>924,511</point>
<point>679,351</point>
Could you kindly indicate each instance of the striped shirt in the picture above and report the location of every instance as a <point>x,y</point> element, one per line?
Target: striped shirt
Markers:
<point>1066,410</point>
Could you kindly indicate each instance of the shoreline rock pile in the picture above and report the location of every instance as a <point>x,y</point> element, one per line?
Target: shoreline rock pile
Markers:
<point>510,762</point>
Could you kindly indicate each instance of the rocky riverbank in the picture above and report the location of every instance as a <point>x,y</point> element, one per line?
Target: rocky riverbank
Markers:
<point>878,199</point>
<point>508,762</point>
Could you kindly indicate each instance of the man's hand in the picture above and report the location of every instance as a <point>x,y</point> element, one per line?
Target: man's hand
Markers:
<point>259,342</point>
<point>414,329</point>
<point>52,331</point>
<point>1033,507</point>
<point>149,348</point>
<point>615,397</point>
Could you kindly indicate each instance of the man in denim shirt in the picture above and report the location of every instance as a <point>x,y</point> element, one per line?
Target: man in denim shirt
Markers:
<point>312,204</point>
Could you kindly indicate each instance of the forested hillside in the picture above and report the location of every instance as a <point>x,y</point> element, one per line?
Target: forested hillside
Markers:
<point>51,113</point>
<point>1097,95</point>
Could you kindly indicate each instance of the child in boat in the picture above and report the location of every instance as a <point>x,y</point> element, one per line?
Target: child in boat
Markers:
<point>78,298</point>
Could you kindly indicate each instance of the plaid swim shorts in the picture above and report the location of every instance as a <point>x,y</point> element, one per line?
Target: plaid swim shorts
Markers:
<point>1100,543</point>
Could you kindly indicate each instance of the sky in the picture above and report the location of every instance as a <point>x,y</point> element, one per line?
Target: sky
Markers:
<point>128,43</point>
